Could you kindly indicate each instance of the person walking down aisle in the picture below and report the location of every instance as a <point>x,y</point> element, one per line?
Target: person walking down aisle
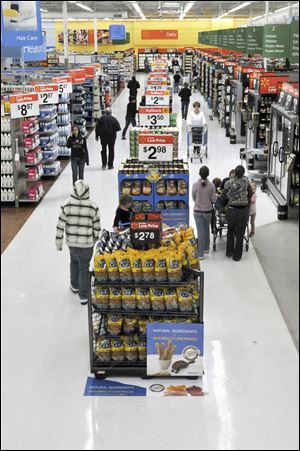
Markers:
<point>130,115</point>
<point>204,195</point>
<point>147,65</point>
<point>133,87</point>
<point>107,128</point>
<point>238,193</point>
<point>177,78</point>
<point>79,154</point>
<point>80,220</point>
<point>185,95</point>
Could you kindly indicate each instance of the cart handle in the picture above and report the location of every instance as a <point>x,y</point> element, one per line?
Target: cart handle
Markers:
<point>281,155</point>
<point>275,148</point>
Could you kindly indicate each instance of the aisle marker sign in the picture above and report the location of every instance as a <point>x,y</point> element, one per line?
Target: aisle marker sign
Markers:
<point>154,98</point>
<point>64,84</point>
<point>48,94</point>
<point>24,105</point>
<point>154,116</point>
<point>161,79</point>
<point>156,147</point>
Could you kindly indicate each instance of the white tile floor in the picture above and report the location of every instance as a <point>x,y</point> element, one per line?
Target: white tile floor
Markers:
<point>250,361</point>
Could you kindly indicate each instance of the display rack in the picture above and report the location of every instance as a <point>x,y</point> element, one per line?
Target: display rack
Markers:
<point>12,182</point>
<point>49,137</point>
<point>217,92</point>
<point>224,102</point>
<point>237,125</point>
<point>88,105</point>
<point>78,108</point>
<point>188,62</point>
<point>52,58</point>
<point>64,125</point>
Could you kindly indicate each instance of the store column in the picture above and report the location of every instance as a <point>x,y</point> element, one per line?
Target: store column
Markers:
<point>66,44</point>
<point>266,22</point>
<point>95,36</point>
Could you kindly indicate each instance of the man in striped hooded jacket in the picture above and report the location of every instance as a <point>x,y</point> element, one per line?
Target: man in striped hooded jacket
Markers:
<point>79,219</point>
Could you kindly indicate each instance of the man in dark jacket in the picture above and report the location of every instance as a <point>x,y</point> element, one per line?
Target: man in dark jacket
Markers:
<point>185,95</point>
<point>133,87</point>
<point>130,115</point>
<point>107,128</point>
<point>177,78</point>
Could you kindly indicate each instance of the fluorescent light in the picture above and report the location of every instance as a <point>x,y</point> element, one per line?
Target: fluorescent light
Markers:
<point>138,9</point>
<point>236,8</point>
<point>170,5</point>
<point>186,10</point>
<point>44,10</point>
<point>81,5</point>
<point>286,7</point>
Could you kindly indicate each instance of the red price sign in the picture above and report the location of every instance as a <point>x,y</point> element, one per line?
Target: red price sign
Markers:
<point>48,94</point>
<point>24,105</point>
<point>156,147</point>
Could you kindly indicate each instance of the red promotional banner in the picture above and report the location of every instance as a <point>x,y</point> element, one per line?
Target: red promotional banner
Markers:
<point>156,139</point>
<point>78,75</point>
<point>154,110</point>
<point>159,34</point>
<point>89,71</point>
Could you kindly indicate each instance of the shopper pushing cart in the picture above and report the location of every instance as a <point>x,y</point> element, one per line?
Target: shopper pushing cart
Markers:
<point>197,134</point>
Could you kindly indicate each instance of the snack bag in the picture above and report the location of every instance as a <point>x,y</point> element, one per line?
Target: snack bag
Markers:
<point>101,273</point>
<point>143,298</point>
<point>142,325</point>
<point>161,272</point>
<point>174,265</point>
<point>185,299</point>
<point>115,298</point>
<point>148,266</point>
<point>117,350</point>
<point>147,188</point>
<point>136,265</point>
<point>129,325</point>
<point>131,349</point>
<point>128,298</point>
<point>112,267</point>
<point>157,298</point>
<point>102,297</point>
<point>136,188</point>
<point>183,253</point>
<point>177,239</point>
<point>196,297</point>
<point>171,299</point>
<point>124,265</point>
<point>171,188</point>
<point>182,187</point>
<point>114,324</point>
<point>103,349</point>
<point>192,255</point>
<point>142,349</point>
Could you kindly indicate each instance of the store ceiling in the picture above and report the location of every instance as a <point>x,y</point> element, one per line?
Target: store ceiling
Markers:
<point>160,9</point>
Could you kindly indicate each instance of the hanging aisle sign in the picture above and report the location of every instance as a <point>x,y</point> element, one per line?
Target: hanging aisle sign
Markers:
<point>35,52</point>
<point>294,44</point>
<point>48,94</point>
<point>156,147</point>
<point>154,117</point>
<point>157,98</point>
<point>241,39</point>
<point>64,84</point>
<point>24,105</point>
<point>276,42</point>
<point>254,36</point>
<point>21,24</point>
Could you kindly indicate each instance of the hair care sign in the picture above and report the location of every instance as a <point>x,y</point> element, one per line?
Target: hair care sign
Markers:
<point>156,147</point>
<point>64,84</point>
<point>157,98</point>
<point>24,105</point>
<point>154,116</point>
<point>21,23</point>
<point>48,94</point>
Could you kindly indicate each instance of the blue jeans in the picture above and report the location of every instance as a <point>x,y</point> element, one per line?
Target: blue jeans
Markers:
<point>79,269</point>
<point>184,109</point>
<point>203,221</point>
<point>77,169</point>
<point>129,120</point>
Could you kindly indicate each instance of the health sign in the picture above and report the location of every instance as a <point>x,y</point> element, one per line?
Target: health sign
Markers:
<point>157,98</point>
<point>24,105</point>
<point>152,116</point>
<point>156,147</point>
<point>48,94</point>
<point>64,84</point>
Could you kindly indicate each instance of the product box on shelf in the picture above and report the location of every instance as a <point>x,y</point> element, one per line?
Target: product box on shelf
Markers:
<point>30,125</point>
<point>34,156</point>
<point>31,142</point>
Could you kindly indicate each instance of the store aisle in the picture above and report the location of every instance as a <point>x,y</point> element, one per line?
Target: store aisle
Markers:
<point>251,364</point>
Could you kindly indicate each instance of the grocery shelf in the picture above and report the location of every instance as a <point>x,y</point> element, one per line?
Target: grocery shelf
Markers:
<point>127,312</point>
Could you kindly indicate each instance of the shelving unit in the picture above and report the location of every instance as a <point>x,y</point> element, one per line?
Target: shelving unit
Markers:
<point>64,125</point>
<point>188,63</point>
<point>49,137</point>
<point>52,58</point>
<point>88,107</point>
<point>8,175</point>
<point>78,108</point>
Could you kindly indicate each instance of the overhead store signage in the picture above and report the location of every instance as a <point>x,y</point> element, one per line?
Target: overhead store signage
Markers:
<point>48,94</point>
<point>78,75</point>
<point>254,36</point>
<point>117,32</point>
<point>21,24</point>
<point>156,147</point>
<point>220,38</point>
<point>64,84</point>
<point>225,38</point>
<point>157,98</point>
<point>294,43</point>
<point>214,39</point>
<point>231,39</point>
<point>276,41</point>
<point>153,116</point>
<point>24,105</point>
<point>77,37</point>
<point>35,52</point>
<point>89,72</point>
<point>159,34</point>
<point>123,41</point>
<point>241,39</point>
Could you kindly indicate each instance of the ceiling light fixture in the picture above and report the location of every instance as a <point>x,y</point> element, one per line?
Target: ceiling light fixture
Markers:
<point>186,10</point>
<point>236,8</point>
<point>81,5</point>
<point>138,9</point>
<point>286,7</point>
<point>44,10</point>
<point>171,5</point>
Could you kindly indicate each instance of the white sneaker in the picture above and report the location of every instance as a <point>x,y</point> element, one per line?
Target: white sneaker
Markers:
<point>75,290</point>
<point>83,301</point>
<point>201,258</point>
<point>207,252</point>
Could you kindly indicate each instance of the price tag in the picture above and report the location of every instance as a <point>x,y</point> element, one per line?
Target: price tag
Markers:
<point>24,105</point>
<point>48,94</point>
<point>156,98</point>
<point>64,84</point>
<point>145,233</point>
<point>154,117</point>
<point>156,80</point>
<point>156,147</point>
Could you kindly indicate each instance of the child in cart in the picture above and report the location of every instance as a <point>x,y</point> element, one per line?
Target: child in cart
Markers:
<point>253,208</point>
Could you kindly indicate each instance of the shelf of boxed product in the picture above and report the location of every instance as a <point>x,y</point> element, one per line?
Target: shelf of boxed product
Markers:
<point>64,125</point>
<point>224,103</point>
<point>52,58</point>
<point>49,138</point>
<point>131,288</point>
<point>78,108</point>
<point>188,62</point>
<point>88,106</point>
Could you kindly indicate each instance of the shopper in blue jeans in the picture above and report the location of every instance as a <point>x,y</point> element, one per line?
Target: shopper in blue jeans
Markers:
<point>204,196</point>
<point>79,153</point>
<point>185,95</point>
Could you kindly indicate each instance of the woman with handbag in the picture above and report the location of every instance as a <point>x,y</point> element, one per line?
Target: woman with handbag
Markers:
<point>79,154</point>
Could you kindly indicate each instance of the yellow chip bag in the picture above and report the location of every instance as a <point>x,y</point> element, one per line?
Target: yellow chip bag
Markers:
<point>101,273</point>
<point>112,267</point>
<point>174,265</point>
<point>124,265</point>
<point>185,299</point>
<point>148,266</point>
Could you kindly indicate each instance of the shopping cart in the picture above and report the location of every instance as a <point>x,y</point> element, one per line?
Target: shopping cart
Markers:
<point>220,228</point>
<point>197,142</point>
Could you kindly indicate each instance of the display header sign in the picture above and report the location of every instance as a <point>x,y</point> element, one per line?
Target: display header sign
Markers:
<point>78,75</point>
<point>21,24</point>
<point>117,32</point>
<point>35,52</point>
<point>232,39</point>
<point>241,39</point>
<point>154,116</point>
<point>156,98</point>
<point>254,36</point>
<point>156,147</point>
<point>159,34</point>
<point>48,94</point>
<point>64,84</point>
<point>294,43</point>
<point>175,349</point>
<point>225,38</point>
<point>276,41</point>
<point>24,105</point>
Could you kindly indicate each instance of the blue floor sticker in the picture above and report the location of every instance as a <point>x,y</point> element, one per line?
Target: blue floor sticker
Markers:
<point>98,387</point>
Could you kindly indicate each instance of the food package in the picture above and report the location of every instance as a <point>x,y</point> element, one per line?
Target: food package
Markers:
<point>112,267</point>
<point>196,297</point>
<point>115,298</point>
<point>182,187</point>
<point>161,188</point>
<point>147,188</point>
<point>103,350</point>
<point>185,299</point>
<point>174,265</point>
<point>114,324</point>
<point>129,325</point>
<point>142,349</point>
<point>128,298</point>
<point>171,204</point>
<point>136,187</point>
<point>131,349</point>
<point>147,207</point>
<point>137,206</point>
<point>126,187</point>
<point>160,205</point>
<point>136,266</point>
<point>182,205</point>
<point>193,259</point>
<point>117,350</point>
<point>171,299</point>
<point>157,298</point>
<point>171,188</point>
<point>124,265</point>
<point>143,298</point>
<point>102,297</point>
<point>161,272</point>
<point>177,238</point>
<point>183,253</point>
<point>142,325</point>
<point>101,273</point>
<point>148,266</point>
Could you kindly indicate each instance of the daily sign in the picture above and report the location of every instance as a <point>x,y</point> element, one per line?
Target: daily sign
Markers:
<point>64,84</point>
<point>48,94</point>
<point>156,147</point>
<point>157,98</point>
<point>24,105</point>
<point>154,116</point>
